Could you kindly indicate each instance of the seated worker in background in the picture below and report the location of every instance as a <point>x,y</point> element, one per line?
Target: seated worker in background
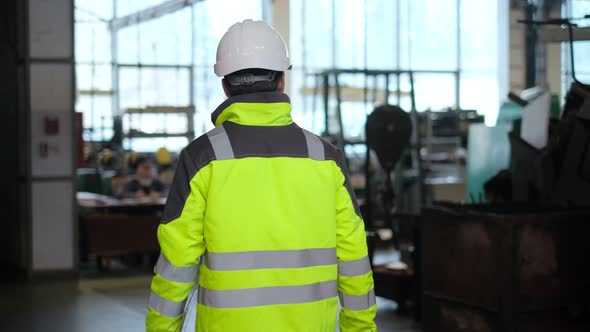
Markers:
<point>145,183</point>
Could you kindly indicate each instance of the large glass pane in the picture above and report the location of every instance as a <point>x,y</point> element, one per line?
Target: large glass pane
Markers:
<point>433,34</point>
<point>576,9</point>
<point>479,91</point>
<point>296,36</point>
<point>350,38</point>
<point>164,40</point>
<point>92,42</point>
<point>581,52</point>
<point>93,77</point>
<point>582,48</point>
<point>404,25</point>
<point>381,34</point>
<point>479,58</point>
<point>225,13</point>
<point>167,40</point>
<point>205,43</point>
<point>128,41</point>
<point>434,91</point>
<point>153,87</point>
<point>92,10</point>
<point>97,117</point>
<point>149,145</point>
<point>156,123</point>
<point>479,35</point>
<point>318,33</point>
<point>127,7</point>
<point>581,8</point>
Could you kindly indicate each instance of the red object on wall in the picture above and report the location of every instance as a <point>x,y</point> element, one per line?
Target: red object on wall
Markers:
<point>51,125</point>
<point>79,140</point>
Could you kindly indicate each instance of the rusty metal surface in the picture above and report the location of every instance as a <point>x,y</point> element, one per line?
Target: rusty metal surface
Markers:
<point>511,266</point>
<point>552,263</point>
<point>460,259</point>
<point>551,321</point>
<point>442,316</point>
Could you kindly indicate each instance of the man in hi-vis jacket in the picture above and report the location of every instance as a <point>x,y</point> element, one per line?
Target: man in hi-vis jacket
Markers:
<point>263,210</point>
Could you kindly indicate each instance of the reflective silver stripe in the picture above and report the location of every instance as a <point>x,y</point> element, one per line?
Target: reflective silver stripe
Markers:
<point>357,267</point>
<point>175,273</point>
<point>252,297</point>
<point>221,144</point>
<point>165,307</point>
<point>315,147</point>
<point>360,302</point>
<point>269,259</point>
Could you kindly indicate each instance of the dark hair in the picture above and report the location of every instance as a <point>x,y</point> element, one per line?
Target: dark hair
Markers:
<point>141,160</point>
<point>260,86</point>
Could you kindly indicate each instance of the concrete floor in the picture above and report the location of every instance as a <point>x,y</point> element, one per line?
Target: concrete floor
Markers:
<point>108,304</point>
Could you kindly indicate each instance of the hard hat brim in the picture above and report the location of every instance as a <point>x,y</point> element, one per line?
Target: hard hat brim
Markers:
<point>227,67</point>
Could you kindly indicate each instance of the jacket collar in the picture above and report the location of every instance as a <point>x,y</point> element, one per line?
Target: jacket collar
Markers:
<point>255,109</point>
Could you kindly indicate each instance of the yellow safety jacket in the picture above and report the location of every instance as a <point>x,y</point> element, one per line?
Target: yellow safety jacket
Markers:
<point>264,211</point>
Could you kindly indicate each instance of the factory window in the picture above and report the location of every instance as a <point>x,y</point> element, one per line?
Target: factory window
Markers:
<point>166,62</point>
<point>576,9</point>
<point>453,46</point>
<point>154,74</point>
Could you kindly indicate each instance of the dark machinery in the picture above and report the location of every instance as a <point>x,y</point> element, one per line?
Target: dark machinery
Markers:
<point>560,172</point>
<point>394,191</point>
<point>388,135</point>
<point>377,88</point>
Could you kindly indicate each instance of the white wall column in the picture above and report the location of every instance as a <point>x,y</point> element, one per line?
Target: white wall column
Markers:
<point>50,106</point>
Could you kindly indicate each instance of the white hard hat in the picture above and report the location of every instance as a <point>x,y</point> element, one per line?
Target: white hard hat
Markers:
<point>251,44</point>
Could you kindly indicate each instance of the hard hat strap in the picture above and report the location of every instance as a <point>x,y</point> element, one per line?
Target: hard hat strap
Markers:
<point>249,79</point>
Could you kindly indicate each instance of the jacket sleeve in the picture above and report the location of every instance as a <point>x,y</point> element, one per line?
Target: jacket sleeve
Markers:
<point>355,278</point>
<point>181,243</point>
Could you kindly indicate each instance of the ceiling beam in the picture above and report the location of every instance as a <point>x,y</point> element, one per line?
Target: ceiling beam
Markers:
<point>144,15</point>
<point>552,35</point>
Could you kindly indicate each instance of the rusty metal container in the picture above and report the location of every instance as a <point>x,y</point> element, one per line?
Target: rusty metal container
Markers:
<point>505,268</point>
<point>119,234</point>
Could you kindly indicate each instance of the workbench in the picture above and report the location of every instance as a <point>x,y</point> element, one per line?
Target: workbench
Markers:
<point>110,227</point>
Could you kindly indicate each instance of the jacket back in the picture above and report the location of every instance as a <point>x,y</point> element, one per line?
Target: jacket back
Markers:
<point>268,209</point>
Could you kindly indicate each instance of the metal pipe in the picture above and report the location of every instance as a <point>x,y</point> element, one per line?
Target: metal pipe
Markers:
<point>375,87</point>
<point>314,100</point>
<point>339,112</point>
<point>386,89</point>
<point>115,73</point>
<point>418,142</point>
<point>459,59</point>
<point>398,52</point>
<point>326,82</point>
<point>304,63</point>
<point>333,34</point>
<point>570,31</point>
<point>191,116</point>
